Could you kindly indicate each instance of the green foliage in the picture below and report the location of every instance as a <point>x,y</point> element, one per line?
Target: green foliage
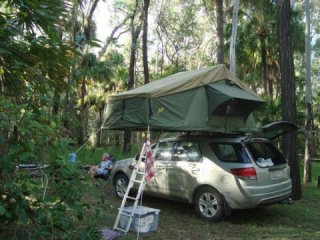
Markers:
<point>117,66</point>
<point>31,15</point>
<point>180,31</point>
<point>41,209</point>
<point>28,57</point>
<point>269,112</point>
<point>298,30</point>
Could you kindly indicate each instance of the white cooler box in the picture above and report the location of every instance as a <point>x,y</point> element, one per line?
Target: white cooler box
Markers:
<point>144,219</point>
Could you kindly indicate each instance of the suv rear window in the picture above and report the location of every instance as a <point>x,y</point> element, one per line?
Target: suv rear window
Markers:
<point>230,152</point>
<point>265,154</point>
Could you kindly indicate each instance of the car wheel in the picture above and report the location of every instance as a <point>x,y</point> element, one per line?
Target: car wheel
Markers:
<point>209,204</point>
<point>120,184</point>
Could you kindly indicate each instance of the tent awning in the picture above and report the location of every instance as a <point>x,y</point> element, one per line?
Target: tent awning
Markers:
<point>183,81</point>
<point>209,99</point>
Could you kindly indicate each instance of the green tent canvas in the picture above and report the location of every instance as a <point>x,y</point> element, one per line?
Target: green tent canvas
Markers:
<point>209,99</point>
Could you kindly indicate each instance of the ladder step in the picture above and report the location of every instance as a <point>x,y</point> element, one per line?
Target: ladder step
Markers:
<point>137,181</point>
<point>132,198</point>
<point>125,214</point>
<point>120,229</point>
<point>133,180</point>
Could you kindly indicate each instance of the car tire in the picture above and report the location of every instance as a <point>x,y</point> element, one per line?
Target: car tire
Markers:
<point>121,182</point>
<point>209,204</point>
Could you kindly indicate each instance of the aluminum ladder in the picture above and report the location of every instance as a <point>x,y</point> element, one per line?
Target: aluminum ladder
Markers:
<point>137,177</point>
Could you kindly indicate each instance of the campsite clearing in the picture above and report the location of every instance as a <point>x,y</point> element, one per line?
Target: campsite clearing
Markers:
<point>299,220</point>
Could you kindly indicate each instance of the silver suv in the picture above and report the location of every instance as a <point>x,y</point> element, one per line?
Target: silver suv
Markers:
<point>215,173</point>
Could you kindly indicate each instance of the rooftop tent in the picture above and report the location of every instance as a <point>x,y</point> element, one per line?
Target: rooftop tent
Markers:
<point>208,99</point>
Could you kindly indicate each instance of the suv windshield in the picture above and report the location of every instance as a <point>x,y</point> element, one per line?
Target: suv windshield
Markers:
<point>265,154</point>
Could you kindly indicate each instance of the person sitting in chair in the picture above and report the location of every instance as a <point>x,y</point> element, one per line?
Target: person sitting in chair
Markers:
<point>104,168</point>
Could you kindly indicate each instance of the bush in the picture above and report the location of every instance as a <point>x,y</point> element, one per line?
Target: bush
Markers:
<point>30,208</point>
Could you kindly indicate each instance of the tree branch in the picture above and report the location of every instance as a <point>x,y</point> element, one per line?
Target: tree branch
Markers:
<point>89,20</point>
<point>111,37</point>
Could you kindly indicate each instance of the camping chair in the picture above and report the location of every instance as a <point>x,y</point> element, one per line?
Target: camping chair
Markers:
<point>104,176</point>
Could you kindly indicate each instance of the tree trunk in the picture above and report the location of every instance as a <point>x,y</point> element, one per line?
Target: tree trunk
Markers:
<point>270,86</point>
<point>112,37</point>
<point>56,102</point>
<point>117,139</point>
<point>1,84</point>
<point>87,30</point>
<point>145,41</point>
<point>134,41</point>
<point>288,97</point>
<point>264,63</point>
<point>219,13</point>
<point>83,127</point>
<point>234,36</point>
<point>135,32</point>
<point>307,177</point>
<point>99,127</point>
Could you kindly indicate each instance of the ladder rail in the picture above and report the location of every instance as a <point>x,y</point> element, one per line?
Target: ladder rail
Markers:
<point>134,207</point>
<point>133,179</point>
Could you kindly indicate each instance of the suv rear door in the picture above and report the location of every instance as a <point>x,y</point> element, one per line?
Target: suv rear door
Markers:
<point>276,129</point>
<point>272,168</point>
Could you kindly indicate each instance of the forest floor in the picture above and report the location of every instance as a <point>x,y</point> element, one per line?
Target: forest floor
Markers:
<point>299,220</point>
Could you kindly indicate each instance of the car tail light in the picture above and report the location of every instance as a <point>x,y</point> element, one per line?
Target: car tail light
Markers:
<point>245,173</point>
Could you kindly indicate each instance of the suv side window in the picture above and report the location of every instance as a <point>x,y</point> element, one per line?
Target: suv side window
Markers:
<point>164,151</point>
<point>187,151</point>
<point>230,152</point>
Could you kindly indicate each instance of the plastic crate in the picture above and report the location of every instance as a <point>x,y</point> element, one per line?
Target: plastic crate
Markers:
<point>144,219</point>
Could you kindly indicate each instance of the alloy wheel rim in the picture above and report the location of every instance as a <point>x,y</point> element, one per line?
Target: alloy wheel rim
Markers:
<point>121,187</point>
<point>208,204</point>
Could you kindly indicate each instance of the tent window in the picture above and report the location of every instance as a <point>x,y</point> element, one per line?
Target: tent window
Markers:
<point>231,108</point>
